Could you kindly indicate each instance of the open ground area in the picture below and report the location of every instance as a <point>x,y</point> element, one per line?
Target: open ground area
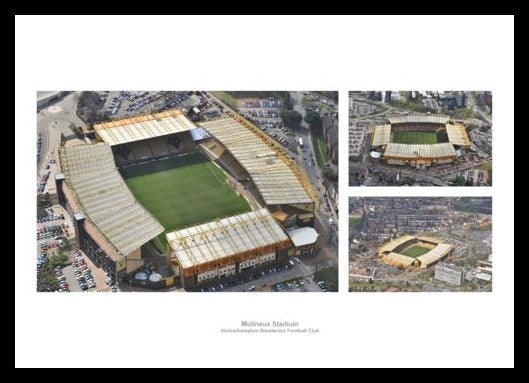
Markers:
<point>183,191</point>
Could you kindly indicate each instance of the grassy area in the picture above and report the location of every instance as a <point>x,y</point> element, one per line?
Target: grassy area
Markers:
<point>322,157</point>
<point>381,286</point>
<point>227,98</point>
<point>463,113</point>
<point>415,251</point>
<point>415,137</point>
<point>183,191</point>
<point>354,221</point>
<point>330,276</point>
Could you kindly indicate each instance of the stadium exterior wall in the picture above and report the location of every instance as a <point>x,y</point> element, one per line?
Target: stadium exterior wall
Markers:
<point>189,279</point>
<point>418,161</point>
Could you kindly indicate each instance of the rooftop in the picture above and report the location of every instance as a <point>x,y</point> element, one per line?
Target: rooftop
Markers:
<point>274,179</point>
<point>457,134</point>
<point>420,151</point>
<point>391,245</point>
<point>381,135</point>
<point>303,236</point>
<point>419,119</point>
<point>439,251</point>
<point>397,259</point>
<point>143,126</point>
<point>105,198</point>
<point>222,241</point>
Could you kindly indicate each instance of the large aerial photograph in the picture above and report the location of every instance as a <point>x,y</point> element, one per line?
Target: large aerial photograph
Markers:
<point>187,191</point>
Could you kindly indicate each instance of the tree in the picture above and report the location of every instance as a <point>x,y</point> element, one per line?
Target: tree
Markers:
<point>291,118</point>
<point>287,102</point>
<point>460,181</point>
<point>313,119</point>
<point>56,260</point>
<point>330,174</point>
<point>43,201</point>
<point>47,281</point>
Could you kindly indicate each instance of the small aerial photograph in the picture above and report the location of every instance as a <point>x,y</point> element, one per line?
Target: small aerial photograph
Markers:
<point>420,138</point>
<point>420,244</point>
<point>187,191</point>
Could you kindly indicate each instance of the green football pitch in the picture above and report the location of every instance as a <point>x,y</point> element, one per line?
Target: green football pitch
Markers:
<point>415,137</point>
<point>183,191</point>
<point>415,251</point>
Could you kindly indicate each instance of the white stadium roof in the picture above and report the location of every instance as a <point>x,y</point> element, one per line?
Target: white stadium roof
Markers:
<point>439,251</point>
<point>381,135</point>
<point>142,127</point>
<point>105,198</point>
<point>397,259</point>
<point>231,236</point>
<point>394,243</point>
<point>419,151</point>
<point>457,134</point>
<point>419,119</point>
<point>303,236</point>
<point>274,179</point>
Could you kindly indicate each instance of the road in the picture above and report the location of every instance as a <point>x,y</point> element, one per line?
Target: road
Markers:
<point>313,172</point>
<point>54,120</point>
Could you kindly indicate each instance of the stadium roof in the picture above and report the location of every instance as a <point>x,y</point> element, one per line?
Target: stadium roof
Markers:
<point>248,234</point>
<point>457,134</point>
<point>398,260</point>
<point>401,260</point>
<point>419,119</point>
<point>420,151</point>
<point>142,127</point>
<point>391,245</point>
<point>275,180</point>
<point>303,236</point>
<point>105,198</point>
<point>381,135</point>
<point>435,254</point>
<point>429,239</point>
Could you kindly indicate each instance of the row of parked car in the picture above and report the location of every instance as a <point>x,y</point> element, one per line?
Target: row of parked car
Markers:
<point>177,100</point>
<point>64,286</point>
<point>41,261</point>
<point>39,145</point>
<point>298,283</point>
<point>50,216</point>
<point>43,180</point>
<point>57,232</point>
<point>271,103</point>
<point>264,113</point>
<point>141,101</point>
<point>323,287</point>
<point>248,278</point>
<point>82,272</point>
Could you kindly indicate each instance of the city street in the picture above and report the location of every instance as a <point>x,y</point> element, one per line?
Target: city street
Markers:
<point>314,174</point>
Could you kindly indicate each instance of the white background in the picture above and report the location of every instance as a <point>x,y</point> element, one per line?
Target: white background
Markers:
<point>268,53</point>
